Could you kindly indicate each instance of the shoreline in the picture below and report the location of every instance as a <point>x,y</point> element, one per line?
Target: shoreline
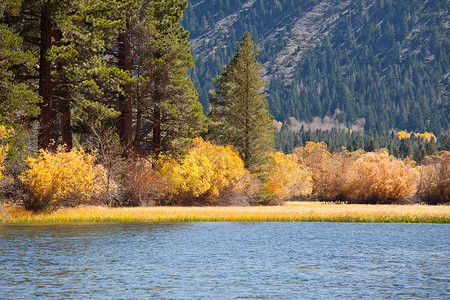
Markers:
<point>289,212</point>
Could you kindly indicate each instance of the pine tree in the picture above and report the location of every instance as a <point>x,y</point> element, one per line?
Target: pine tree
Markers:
<point>166,102</point>
<point>445,142</point>
<point>239,111</point>
<point>69,38</point>
<point>18,102</point>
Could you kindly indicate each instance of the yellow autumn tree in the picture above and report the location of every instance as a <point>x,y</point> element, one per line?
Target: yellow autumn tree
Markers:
<point>426,136</point>
<point>208,175</point>
<point>377,177</point>
<point>63,179</point>
<point>5,133</point>
<point>287,178</point>
<point>403,135</point>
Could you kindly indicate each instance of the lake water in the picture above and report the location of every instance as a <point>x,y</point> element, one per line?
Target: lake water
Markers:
<point>225,261</point>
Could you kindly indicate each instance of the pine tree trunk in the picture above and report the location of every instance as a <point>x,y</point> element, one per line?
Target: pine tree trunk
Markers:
<point>45,80</point>
<point>66,124</point>
<point>65,115</point>
<point>156,140</point>
<point>247,118</point>
<point>125,100</point>
<point>137,133</point>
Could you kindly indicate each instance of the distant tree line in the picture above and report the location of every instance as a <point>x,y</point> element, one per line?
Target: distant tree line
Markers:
<point>414,147</point>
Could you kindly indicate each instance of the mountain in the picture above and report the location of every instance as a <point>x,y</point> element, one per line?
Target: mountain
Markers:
<point>369,66</point>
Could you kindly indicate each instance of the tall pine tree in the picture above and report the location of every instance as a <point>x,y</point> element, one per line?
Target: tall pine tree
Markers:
<point>167,111</point>
<point>239,114</point>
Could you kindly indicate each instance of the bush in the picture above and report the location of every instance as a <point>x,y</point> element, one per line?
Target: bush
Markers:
<point>4,147</point>
<point>286,178</point>
<point>141,185</point>
<point>434,183</point>
<point>207,175</point>
<point>377,177</point>
<point>357,177</point>
<point>331,185</point>
<point>328,170</point>
<point>63,179</point>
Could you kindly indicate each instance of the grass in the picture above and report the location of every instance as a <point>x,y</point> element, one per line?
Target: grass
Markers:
<point>290,212</point>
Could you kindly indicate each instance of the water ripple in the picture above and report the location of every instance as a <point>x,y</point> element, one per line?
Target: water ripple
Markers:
<point>225,260</point>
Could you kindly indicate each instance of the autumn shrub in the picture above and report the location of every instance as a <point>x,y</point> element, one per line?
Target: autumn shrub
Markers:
<point>434,183</point>
<point>101,137</point>
<point>286,178</point>
<point>141,185</point>
<point>424,136</point>
<point>4,147</point>
<point>328,171</point>
<point>208,175</point>
<point>63,178</point>
<point>356,177</point>
<point>377,177</point>
<point>331,186</point>
<point>12,164</point>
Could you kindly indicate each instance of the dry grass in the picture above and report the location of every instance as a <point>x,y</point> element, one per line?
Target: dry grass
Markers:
<point>291,212</point>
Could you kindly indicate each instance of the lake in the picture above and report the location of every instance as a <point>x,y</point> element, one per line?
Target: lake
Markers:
<point>225,261</point>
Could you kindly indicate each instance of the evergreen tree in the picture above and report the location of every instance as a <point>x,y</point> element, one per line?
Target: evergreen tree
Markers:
<point>445,142</point>
<point>70,39</point>
<point>239,111</point>
<point>165,100</point>
<point>18,102</point>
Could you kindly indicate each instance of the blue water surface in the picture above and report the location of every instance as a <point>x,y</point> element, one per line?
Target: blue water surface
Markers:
<point>225,261</point>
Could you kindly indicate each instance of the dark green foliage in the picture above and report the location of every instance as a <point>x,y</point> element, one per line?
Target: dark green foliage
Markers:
<point>445,142</point>
<point>18,102</point>
<point>165,101</point>
<point>239,114</point>
<point>380,61</point>
<point>68,39</point>
<point>72,54</point>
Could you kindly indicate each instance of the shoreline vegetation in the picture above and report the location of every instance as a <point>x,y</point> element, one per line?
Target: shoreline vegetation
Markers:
<point>92,132</point>
<point>289,212</point>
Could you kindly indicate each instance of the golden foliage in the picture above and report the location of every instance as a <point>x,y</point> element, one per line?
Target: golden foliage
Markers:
<point>377,177</point>
<point>63,178</point>
<point>403,135</point>
<point>330,185</point>
<point>357,177</point>
<point>4,147</point>
<point>287,178</point>
<point>424,136</point>
<point>204,175</point>
<point>315,157</point>
<point>328,170</point>
<point>434,183</point>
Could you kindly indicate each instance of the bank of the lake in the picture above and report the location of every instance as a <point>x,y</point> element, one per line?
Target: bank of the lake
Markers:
<point>290,212</point>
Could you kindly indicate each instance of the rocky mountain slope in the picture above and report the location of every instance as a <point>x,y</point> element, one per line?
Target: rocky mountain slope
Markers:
<point>381,64</point>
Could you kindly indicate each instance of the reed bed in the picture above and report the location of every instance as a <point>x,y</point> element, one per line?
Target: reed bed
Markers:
<point>290,212</point>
